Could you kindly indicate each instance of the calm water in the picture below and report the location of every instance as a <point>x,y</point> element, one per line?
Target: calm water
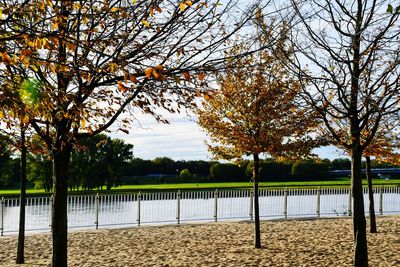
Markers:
<point>162,208</point>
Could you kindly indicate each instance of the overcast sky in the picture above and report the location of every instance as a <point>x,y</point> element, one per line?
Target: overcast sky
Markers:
<point>182,139</point>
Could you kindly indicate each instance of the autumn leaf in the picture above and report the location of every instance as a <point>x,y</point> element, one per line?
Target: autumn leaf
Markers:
<point>113,67</point>
<point>145,23</point>
<point>6,58</point>
<point>159,67</point>
<point>133,78</point>
<point>184,4</point>
<point>83,122</point>
<point>122,87</point>
<point>186,75</point>
<point>25,120</point>
<point>176,78</point>
<point>148,72</point>
<point>202,76</point>
<point>157,71</point>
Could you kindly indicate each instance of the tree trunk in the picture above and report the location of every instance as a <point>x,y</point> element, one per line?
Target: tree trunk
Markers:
<point>360,235</point>
<point>257,235</point>
<point>372,219</point>
<point>22,200</point>
<point>59,219</point>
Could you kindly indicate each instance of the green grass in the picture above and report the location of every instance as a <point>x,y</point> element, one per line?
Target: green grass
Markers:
<point>343,182</point>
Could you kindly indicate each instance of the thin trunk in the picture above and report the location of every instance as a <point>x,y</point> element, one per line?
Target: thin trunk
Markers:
<point>22,199</point>
<point>257,234</point>
<point>59,218</point>
<point>360,235</point>
<point>372,219</point>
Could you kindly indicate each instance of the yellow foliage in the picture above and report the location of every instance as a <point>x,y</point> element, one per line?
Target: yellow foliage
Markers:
<point>148,72</point>
<point>145,23</point>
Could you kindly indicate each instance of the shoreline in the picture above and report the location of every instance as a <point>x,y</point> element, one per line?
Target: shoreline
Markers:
<point>292,242</point>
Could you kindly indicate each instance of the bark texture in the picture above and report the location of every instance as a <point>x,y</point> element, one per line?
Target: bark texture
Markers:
<point>257,234</point>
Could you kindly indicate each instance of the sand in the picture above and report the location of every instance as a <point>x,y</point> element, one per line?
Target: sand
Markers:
<point>323,242</point>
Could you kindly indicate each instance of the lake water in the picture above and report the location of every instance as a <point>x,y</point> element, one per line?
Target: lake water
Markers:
<point>112,211</point>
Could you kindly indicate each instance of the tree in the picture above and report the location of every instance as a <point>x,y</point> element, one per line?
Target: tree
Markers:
<point>384,146</point>
<point>347,54</point>
<point>185,174</point>
<point>341,164</point>
<point>255,111</point>
<point>39,171</point>
<point>98,58</point>
<point>98,161</point>
<point>13,112</point>
<point>6,170</point>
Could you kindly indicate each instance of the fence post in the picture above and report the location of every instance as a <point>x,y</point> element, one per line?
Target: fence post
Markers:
<point>51,211</point>
<point>381,200</point>
<point>319,202</point>
<point>178,207</point>
<point>349,210</point>
<point>285,194</point>
<point>2,216</point>
<point>251,205</point>
<point>97,200</point>
<point>216,205</point>
<point>139,196</point>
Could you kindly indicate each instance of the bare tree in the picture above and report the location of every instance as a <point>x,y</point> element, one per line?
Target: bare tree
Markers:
<point>347,54</point>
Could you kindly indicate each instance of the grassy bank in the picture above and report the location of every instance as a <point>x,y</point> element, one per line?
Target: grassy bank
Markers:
<point>345,182</point>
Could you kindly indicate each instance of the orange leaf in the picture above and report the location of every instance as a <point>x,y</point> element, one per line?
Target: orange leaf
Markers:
<point>202,76</point>
<point>122,87</point>
<point>157,71</point>
<point>148,72</point>
<point>159,67</point>
<point>186,75</point>
<point>182,7</point>
<point>156,74</point>
<point>133,79</point>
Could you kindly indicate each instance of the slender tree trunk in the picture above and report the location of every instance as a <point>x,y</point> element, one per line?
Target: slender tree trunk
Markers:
<point>59,218</point>
<point>360,235</point>
<point>257,234</point>
<point>372,218</point>
<point>22,199</point>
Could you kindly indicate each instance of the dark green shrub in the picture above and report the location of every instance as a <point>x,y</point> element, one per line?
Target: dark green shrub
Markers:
<point>271,170</point>
<point>227,172</point>
<point>308,170</point>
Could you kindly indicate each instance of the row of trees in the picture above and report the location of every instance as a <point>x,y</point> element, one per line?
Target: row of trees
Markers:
<point>101,161</point>
<point>96,162</point>
<point>332,68</point>
<point>70,70</point>
<point>96,63</point>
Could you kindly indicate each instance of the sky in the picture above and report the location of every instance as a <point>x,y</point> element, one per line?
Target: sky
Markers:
<point>182,139</point>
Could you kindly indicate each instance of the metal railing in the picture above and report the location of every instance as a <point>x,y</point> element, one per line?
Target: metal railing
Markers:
<point>87,211</point>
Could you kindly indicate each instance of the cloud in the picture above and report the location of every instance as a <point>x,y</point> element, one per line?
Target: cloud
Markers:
<point>182,139</point>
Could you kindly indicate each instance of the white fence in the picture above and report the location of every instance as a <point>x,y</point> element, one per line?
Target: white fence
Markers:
<point>94,211</point>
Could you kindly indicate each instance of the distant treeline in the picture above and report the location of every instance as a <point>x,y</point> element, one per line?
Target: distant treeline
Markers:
<point>104,162</point>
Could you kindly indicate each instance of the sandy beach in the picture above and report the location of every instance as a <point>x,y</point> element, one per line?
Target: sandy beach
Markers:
<point>323,242</point>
